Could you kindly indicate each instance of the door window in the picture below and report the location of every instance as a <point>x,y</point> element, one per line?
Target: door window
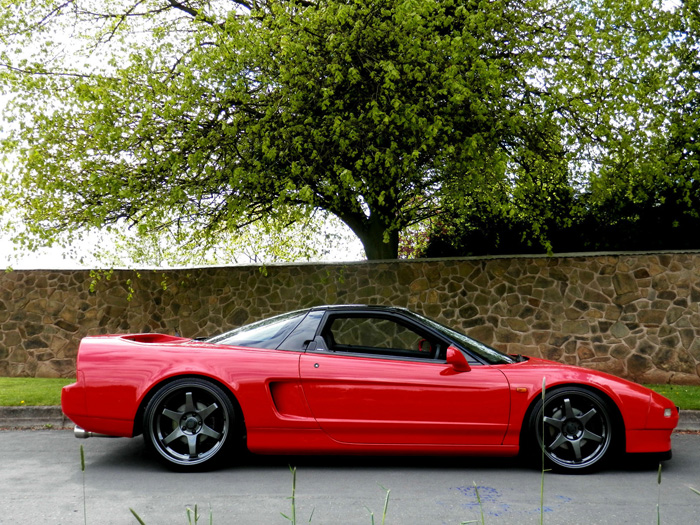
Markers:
<point>379,336</point>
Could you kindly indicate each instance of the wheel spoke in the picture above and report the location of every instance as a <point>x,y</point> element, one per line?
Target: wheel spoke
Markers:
<point>205,413</point>
<point>208,431</point>
<point>192,444</point>
<point>561,439</point>
<point>587,434</point>
<point>576,446</point>
<point>189,403</point>
<point>568,409</point>
<point>585,418</point>
<point>171,414</point>
<point>175,434</point>
<point>556,423</point>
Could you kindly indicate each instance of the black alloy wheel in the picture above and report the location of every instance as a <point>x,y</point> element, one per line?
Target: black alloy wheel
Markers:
<point>576,427</point>
<point>189,423</point>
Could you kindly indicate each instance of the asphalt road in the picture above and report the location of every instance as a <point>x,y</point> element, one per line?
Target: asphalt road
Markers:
<point>41,482</point>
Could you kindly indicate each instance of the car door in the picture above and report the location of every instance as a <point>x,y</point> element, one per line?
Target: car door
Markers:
<point>380,379</point>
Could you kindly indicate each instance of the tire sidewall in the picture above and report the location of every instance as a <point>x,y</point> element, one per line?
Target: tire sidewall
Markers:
<point>151,414</point>
<point>534,428</point>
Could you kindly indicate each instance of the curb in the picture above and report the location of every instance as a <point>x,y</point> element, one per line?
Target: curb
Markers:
<point>33,417</point>
<point>52,417</point>
<point>689,420</point>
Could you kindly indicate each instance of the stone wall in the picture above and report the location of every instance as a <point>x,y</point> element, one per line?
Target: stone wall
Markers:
<point>634,315</point>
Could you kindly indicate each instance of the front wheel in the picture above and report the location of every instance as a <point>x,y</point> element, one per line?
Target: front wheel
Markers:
<point>189,423</point>
<point>576,428</point>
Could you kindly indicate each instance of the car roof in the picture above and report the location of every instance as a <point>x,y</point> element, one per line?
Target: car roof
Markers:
<point>377,307</point>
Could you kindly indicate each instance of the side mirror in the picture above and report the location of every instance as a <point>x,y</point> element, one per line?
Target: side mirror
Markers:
<point>456,359</point>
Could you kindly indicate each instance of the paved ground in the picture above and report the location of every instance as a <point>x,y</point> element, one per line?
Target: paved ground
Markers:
<point>41,482</point>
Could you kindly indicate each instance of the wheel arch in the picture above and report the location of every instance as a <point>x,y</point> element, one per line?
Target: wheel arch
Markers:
<point>154,388</point>
<point>618,420</point>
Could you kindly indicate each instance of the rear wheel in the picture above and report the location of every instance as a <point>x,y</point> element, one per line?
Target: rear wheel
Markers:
<point>576,428</point>
<point>189,423</point>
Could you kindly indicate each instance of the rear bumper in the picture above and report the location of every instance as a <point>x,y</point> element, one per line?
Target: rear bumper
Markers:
<point>73,400</point>
<point>74,406</point>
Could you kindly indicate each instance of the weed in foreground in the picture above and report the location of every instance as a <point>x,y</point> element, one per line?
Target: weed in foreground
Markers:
<point>386,506</point>
<point>292,518</point>
<point>544,384</point>
<point>82,468</point>
<point>658,501</point>
<point>481,507</point>
<point>138,518</point>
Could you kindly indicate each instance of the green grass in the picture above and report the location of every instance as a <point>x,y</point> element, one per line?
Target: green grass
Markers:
<point>31,391</point>
<point>686,397</point>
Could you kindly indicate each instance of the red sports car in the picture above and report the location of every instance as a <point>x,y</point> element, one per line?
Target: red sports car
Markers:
<point>356,380</point>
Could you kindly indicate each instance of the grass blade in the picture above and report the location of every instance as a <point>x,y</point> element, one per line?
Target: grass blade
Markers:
<point>544,384</point>
<point>293,518</point>
<point>138,518</point>
<point>478,499</point>
<point>386,504</point>
<point>658,502</point>
<point>82,469</point>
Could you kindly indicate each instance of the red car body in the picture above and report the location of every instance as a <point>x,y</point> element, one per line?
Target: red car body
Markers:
<point>315,395</point>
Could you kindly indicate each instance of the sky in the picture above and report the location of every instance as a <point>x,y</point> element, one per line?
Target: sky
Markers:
<point>349,248</point>
<point>47,259</point>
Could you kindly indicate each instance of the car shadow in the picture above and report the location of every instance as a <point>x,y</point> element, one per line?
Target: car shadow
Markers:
<point>132,454</point>
<point>381,462</point>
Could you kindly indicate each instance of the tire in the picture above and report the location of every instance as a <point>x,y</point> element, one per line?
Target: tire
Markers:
<point>579,431</point>
<point>189,423</point>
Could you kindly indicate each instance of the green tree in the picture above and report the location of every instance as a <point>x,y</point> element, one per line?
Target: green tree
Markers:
<point>637,184</point>
<point>201,117</point>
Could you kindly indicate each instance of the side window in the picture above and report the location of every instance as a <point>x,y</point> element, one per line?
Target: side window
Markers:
<point>378,336</point>
<point>268,333</point>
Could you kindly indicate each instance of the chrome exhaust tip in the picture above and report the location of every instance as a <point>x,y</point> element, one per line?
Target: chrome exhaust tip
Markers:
<point>81,433</point>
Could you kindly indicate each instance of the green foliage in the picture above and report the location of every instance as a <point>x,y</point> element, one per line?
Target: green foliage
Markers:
<point>385,510</point>
<point>201,117</point>
<point>662,217</point>
<point>293,514</point>
<point>292,518</point>
<point>481,507</point>
<point>634,184</point>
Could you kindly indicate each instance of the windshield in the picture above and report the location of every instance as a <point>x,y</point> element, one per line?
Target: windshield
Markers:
<point>268,333</point>
<point>485,352</point>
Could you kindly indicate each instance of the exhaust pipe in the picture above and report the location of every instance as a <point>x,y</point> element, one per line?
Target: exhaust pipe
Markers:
<point>81,433</point>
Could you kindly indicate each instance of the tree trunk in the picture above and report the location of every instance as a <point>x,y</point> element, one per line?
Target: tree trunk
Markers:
<point>376,249</point>
<point>370,231</point>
